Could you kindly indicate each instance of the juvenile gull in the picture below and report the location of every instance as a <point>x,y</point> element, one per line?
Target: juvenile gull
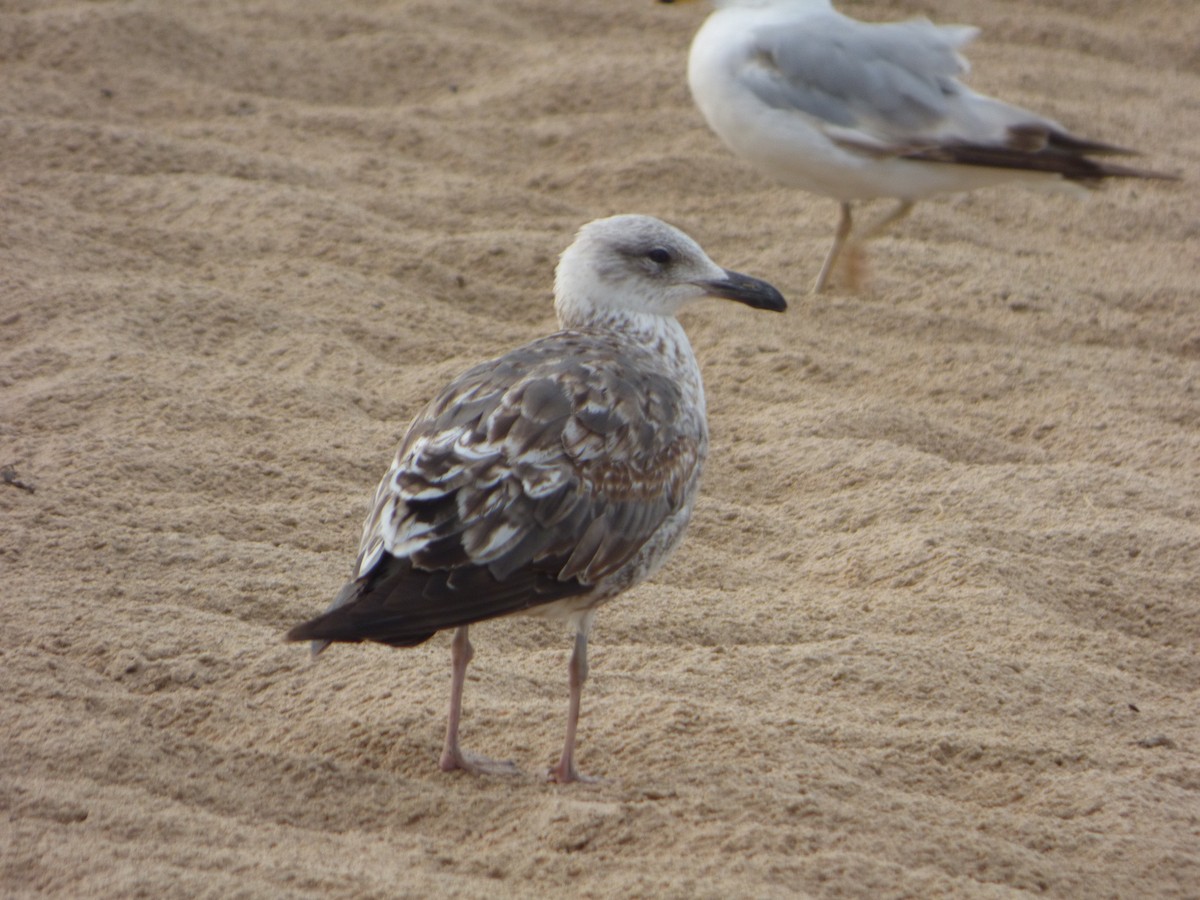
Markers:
<point>552,478</point>
<point>855,111</point>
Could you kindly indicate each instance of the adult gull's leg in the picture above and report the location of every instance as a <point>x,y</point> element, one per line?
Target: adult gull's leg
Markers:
<point>856,249</point>
<point>903,208</point>
<point>843,232</point>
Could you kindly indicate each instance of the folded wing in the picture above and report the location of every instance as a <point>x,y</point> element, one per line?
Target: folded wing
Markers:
<point>893,90</point>
<point>530,479</point>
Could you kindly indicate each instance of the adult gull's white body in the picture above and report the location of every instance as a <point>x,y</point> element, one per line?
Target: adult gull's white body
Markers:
<point>854,110</point>
<point>552,478</point>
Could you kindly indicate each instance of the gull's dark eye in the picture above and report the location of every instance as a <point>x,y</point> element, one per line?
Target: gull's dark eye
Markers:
<point>659,255</point>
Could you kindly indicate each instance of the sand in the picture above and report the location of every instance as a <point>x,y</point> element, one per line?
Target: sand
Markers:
<point>933,632</point>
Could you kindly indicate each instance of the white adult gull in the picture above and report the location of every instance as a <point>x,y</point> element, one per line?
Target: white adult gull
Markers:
<point>855,111</point>
<point>552,478</point>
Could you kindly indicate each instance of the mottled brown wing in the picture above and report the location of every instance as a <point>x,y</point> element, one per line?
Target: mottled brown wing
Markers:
<point>531,478</point>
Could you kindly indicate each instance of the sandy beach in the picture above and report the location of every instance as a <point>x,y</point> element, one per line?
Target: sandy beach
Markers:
<point>934,631</point>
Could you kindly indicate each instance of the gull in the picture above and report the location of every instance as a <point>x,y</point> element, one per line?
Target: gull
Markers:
<point>856,111</point>
<point>552,478</point>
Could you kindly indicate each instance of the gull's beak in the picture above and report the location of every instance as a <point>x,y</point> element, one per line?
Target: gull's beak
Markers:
<point>744,289</point>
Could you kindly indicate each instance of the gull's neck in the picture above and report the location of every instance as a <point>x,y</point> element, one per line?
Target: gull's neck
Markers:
<point>662,335</point>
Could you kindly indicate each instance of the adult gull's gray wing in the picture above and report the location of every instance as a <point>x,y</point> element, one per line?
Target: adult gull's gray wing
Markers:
<point>531,478</point>
<point>878,85</point>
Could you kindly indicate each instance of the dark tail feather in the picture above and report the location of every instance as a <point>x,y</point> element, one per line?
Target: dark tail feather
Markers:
<point>354,614</point>
<point>1051,159</point>
<point>400,605</point>
<point>1111,170</point>
<point>317,630</point>
<point>1069,143</point>
<point>1036,147</point>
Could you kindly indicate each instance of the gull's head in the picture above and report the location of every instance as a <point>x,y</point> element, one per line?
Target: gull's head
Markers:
<point>639,265</point>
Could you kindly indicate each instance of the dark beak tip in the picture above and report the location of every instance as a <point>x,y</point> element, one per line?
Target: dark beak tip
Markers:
<point>771,304</point>
<point>777,304</point>
<point>754,292</point>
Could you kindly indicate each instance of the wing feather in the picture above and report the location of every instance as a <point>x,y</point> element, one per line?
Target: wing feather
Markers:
<point>529,479</point>
<point>884,80</point>
<point>893,90</point>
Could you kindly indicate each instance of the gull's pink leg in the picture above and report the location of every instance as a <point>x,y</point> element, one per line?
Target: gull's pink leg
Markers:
<point>461,653</point>
<point>565,772</point>
<point>453,756</point>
